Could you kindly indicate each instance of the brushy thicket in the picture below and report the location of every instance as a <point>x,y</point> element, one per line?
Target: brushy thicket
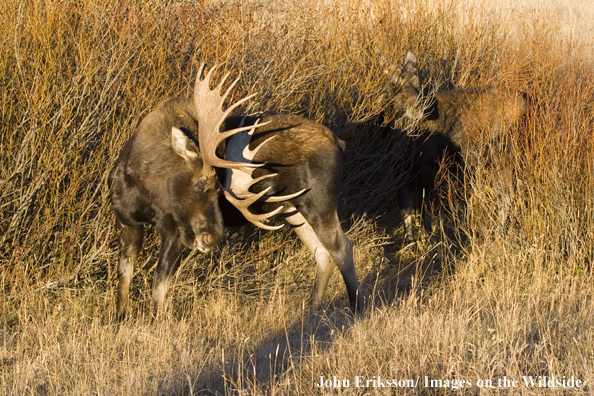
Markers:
<point>76,77</point>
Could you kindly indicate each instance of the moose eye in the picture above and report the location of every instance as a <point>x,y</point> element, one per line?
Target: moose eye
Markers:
<point>203,184</point>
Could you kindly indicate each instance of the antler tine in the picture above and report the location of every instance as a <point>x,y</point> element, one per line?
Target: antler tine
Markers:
<point>243,206</point>
<point>224,135</point>
<point>205,82</point>
<point>232,164</point>
<point>247,153</point>
<point>272,198</point>
<point>212,69</point>
<point>203,87</point>
<point>284,197</point>
<point>201,70</point>
<point>233,84</point>
<point>238,103</point>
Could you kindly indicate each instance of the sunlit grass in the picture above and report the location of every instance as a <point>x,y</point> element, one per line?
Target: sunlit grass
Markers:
<point>515,301</point>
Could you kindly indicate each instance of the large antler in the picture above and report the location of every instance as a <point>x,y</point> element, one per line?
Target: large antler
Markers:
<point>208,105</point>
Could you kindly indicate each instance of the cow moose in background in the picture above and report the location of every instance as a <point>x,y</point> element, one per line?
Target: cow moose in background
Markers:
<point>165,176</point>
<point>447,124</point>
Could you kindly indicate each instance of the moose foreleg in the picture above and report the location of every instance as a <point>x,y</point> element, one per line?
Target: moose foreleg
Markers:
<point>169,260</point>
<point>130,244</point>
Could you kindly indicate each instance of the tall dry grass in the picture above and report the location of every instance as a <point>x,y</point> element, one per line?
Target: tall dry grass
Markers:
<point>511,301</point>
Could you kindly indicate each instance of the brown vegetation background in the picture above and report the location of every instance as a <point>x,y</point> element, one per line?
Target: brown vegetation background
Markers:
<point>77,75</point>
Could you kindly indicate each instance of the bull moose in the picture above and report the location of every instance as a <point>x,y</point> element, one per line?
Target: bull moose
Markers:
<point>276,165</point>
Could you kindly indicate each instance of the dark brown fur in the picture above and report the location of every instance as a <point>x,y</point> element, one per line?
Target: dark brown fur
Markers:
<point>156,182</point>
<point>306,155</point>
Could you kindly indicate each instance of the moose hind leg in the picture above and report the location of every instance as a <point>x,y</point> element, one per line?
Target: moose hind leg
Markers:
<point>406,199</point>
<point>427,213</point>
<point>130,244</point>
<point>330,247</point>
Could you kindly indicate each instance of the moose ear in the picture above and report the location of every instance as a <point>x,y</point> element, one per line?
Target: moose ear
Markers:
<point>409,73</point>
<point>183,146</point>
<point>411,58</point>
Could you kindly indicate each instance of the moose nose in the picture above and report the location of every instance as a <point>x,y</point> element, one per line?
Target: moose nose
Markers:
<point>206,242</point>
<point>207,239</point>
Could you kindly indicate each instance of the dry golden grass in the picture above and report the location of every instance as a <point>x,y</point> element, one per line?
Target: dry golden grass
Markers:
<point>77,75</point>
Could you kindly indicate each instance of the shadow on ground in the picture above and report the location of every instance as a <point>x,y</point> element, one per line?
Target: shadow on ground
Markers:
<point>375,166</point>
